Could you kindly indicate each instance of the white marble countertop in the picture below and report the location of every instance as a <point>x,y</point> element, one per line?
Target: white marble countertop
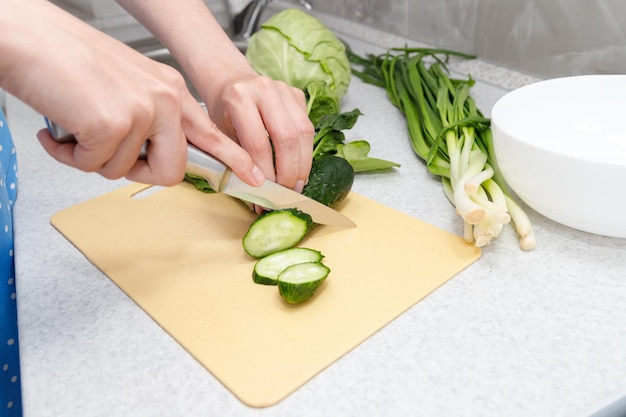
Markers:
<point>538,333</point>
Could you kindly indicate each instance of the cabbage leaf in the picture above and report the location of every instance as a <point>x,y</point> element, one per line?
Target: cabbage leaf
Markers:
<point>297,48</point>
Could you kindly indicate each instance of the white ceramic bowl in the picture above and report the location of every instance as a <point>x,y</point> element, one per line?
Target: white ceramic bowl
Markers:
<point>561,147</point>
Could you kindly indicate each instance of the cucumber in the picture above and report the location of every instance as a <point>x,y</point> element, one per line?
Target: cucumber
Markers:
<point>330,180</point>
<point>329,183</point>
<point>276,230</point>
<point>267,269</point>
<point>297,283</point>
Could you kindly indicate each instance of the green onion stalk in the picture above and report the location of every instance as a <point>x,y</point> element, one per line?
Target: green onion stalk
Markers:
<point>451,135</point>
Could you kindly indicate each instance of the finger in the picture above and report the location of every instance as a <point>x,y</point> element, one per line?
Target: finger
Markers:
<point>291,133</point>
<point>59,151</point>
<point>98,152</point>
<point>166,157</point>
<point>166,151</point>
<point>75,154</point>
<point>295,104</point>
<point>125,155</point>
<point>253,136</point>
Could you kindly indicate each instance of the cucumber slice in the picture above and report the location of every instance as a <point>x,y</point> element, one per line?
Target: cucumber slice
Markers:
<point>299,282</point>
<point>267,269</point>
<point>276,230</point>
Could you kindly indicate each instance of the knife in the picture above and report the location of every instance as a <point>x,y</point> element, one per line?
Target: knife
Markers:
<point>270,195</point>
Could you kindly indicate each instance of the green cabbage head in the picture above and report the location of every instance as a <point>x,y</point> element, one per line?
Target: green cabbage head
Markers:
<point>297,48</point>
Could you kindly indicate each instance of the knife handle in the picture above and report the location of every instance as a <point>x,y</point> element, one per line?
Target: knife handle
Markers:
<point>63,136</point>
<point>198,162</point>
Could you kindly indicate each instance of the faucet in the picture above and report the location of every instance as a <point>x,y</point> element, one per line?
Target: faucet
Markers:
<point>246,22</point>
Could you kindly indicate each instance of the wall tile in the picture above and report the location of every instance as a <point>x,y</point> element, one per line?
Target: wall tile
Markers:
<point>544,37</point>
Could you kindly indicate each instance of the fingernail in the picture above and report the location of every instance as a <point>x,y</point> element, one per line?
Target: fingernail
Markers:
<point>299,186</point>
<point>258,176</point>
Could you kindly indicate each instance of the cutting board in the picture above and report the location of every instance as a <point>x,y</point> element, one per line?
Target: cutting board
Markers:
<point>177,253</point>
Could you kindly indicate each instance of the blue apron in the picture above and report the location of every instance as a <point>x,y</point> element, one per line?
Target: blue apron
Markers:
<point>10,391</point>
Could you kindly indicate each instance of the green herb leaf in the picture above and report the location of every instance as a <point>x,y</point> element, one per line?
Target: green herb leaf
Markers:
<point>339,121</point>
<point>199,182</point>
<point>356,153</point>
<point>329,132</point>
<point>320,101</point>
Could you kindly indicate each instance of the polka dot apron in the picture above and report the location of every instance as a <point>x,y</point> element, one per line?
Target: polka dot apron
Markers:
<point>10,391</point>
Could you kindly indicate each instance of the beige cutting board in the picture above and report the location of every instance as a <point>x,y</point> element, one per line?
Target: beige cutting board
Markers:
<point>177,253</point>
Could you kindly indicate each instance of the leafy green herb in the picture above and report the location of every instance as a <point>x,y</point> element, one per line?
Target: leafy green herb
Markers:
<point>330,140</point>
<point>328,132</point>
<point>320,102</point>
<point>199,182</point>
<point>356,153</point>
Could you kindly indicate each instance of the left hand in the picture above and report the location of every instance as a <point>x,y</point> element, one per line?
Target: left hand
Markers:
<point>268,119</point>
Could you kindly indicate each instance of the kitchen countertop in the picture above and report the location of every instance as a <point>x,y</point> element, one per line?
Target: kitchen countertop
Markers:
<point>539,333</point>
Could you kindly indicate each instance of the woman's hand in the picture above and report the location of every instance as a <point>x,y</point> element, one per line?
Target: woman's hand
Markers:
<point>109,96</point>
<point>267,118</point>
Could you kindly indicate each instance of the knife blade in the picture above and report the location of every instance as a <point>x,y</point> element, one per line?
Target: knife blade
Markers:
<point>270,195</point>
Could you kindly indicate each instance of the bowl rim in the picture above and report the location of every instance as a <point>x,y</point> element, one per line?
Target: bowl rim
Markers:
<point>595,157</point>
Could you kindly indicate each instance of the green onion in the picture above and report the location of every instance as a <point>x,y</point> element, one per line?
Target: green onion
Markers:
<point>451,135</point>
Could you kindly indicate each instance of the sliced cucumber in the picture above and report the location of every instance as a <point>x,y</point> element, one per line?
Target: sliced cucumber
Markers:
<point>299,282</point>
<point>276,230</point>
<point>267,269</point>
